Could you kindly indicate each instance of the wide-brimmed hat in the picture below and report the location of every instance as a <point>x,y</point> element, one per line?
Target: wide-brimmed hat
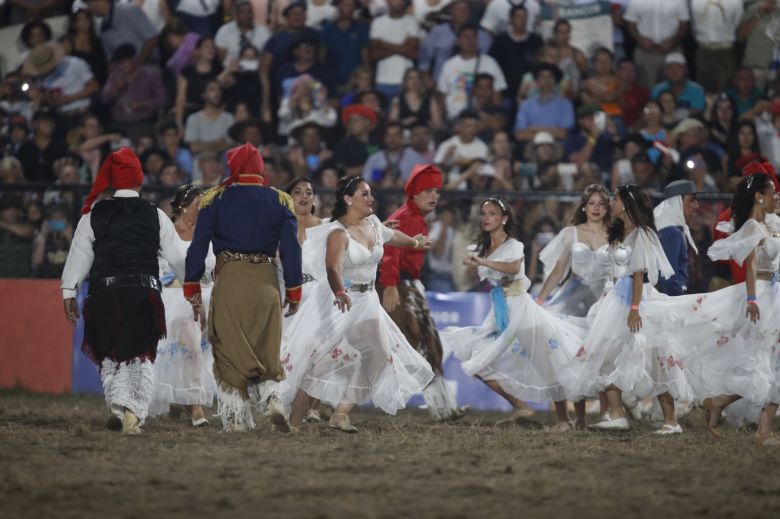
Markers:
<point>236,131</point>
<point>679,187</point>
<point>43,58</point>
<point>687,125</point>
<point>549,67</point>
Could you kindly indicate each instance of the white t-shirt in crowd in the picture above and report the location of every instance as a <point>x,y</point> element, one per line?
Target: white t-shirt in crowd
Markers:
<point>421,8</point>
<point>716,22</point>
<point>441,264</point>
<point>198,7</point>
<point>69,77</point>
<point>457,79</point>
<point>390,70</point>
<point>229,37</point>
<point>657,20</point>
<point>475,149</point>
<point>496,17</point>
<point>318,15</point>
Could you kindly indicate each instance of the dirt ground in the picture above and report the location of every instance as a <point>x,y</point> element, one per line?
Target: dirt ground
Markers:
<point>58,460</point>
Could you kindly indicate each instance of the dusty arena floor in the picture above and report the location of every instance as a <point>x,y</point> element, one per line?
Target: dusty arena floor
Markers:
<point>58,460</point>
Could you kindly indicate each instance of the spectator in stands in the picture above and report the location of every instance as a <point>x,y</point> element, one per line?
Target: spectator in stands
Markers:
<point>362,80</point>
<point>743,90</point>
<point>622,172</point>
<point>546,111</point>
<point>460,150</point>
<point>170,140</point>
<point>67,171</point>
<point>277,50</point>
<point>529,87</point>
<point>695,168</point>
<point>671,114</point>
<point>439,45</point>
<point>572,61</point>
<point>657,27</point>
<point>490,106</point>
<point>768,130</point>
<point>38,154</point>
<point>743,148</point>
<point>496,17</point>
<point>421,141</point>
<point>193,79</point>
<point>178,45</point>
<point>52,243</point>
<point>319,13</point>
<point>755,31</point>
<point>352,150</point>
<point>688,94</point>
<point>124,23</point>
<point>456,80</point>
<point>588,174</point>
<point>633,95</point>
<point>715,31</point>
<point>171,175</point>
<point>440,264</point>
<point>93,144</point>
<point>134,95</point>
<point>345,44</point>
<point>18,133</point>
<point>481,175</point>
<point>515,49</point>
<point>64,82</point>
<point>243,85</point>
<point>15,239</point>
<point>603,87</point>
<point>35,32</point>
<point>306,102</point>
<point>720,114</point>
<point>394,44</point>
<point>11,171</point>
<point>304,61</point>
<point>415,104</point>
<point>82,41</point>
<point>594,142</point>
<point>207,129</point>
<point>14,95</point>
<point>645,173</point>
<point>391,165</point>
<point>240,32</point>
<point>35,215</point>
<point>211,171</point>
<point>153,160</point>
<point>271,13</point>
<point>309,150</point>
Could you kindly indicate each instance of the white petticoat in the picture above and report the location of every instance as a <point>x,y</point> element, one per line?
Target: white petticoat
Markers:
<point>644,363</point>
<point>128,385</point>
<point>349,357</point>
<point>184,367</point>
<point>527,357</point>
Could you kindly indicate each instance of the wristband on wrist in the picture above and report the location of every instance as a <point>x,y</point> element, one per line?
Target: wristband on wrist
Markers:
<point>340,293</point>
<point>635,307</point>
<point>751,299</point>
<point>752,303</point>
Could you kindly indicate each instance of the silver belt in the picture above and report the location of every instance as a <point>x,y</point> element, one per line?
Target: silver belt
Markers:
<point>362,287</point>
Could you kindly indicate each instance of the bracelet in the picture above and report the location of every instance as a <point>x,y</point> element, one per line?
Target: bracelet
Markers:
<point>635,307</point>
<point>340,293</point>
<point>751,298</point>
<point>752,302</point>
<point>538,301</point>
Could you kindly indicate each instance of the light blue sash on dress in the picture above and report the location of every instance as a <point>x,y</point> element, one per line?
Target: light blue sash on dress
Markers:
<point>500,308</point>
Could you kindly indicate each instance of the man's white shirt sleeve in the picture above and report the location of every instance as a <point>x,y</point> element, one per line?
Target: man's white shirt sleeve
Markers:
<point>80,258</point>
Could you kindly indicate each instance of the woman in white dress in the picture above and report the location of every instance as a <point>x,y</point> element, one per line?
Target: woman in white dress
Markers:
<point>739,356</point>
<point>184,363</point>
<point>348,349</point>
<point>636,356</point>
<point>581,250</point>
<point>519,348</point>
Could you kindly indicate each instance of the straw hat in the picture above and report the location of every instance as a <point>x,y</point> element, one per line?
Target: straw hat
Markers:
<point>42,59</point>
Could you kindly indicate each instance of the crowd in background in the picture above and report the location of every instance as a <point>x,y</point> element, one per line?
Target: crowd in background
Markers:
<point>494,92</point>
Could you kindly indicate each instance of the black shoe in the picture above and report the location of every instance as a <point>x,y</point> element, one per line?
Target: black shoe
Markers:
<point>114,423</point>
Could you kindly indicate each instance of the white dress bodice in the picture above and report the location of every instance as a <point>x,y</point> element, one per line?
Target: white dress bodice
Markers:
<point>360,263</point>
<point>509,251</point>
<point>620,256</point>
<point>167,272</point>
<point>589,264</point>
<point>768,254</point>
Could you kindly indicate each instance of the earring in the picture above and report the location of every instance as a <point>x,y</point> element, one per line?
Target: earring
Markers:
<point>761,202</point>
<point>349,204</point>
<point>185,210</point>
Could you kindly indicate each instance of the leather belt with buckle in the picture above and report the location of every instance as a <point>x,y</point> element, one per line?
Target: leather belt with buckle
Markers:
<point>127,281</point>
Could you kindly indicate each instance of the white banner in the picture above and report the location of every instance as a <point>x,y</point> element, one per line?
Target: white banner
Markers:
<point>591,24</point>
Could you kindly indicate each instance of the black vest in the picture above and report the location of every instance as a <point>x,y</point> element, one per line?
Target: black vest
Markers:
<point>127,238</point>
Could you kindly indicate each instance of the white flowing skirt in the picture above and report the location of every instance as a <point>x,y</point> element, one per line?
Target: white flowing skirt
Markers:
<point>183,369</point>
<point>644,363</point>
<point>526,358</point>
<point>724,352</point>
<point>349,357</point>
<point>575,297</point>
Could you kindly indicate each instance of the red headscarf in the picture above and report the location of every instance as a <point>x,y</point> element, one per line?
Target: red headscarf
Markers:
<point>423,176</point>
<point>245,160</point>
<point>121,170</point>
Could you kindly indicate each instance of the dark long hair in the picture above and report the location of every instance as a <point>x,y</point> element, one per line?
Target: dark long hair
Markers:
<point>579,215</point>
<point>732,146</point>
<point>483,239</point>
<point>300,180</point>
<point>639,210</point>
<point>347,186</point>
<point>182,198</point>
<point>745,197</point>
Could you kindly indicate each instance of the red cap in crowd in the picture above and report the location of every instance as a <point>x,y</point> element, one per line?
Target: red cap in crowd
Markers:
<point>363,110</point>
<point>423,176</point>
<point>120,170</point>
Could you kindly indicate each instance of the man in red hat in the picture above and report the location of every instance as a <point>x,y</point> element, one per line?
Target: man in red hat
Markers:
<point>116,244</point>
<point>403,295</point>
<point>246,223</point>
